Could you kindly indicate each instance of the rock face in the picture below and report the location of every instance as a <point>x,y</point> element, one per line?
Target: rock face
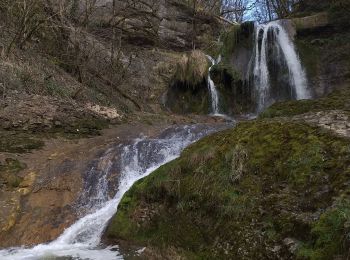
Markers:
<point>36,113</point>
<point>165,23</point>
<point>311,22</point>
<point>324,50</point>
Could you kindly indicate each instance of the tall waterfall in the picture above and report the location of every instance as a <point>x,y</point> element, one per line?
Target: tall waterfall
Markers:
<point>137,160</point>
<point>272,42</point>
<point>214,95</point>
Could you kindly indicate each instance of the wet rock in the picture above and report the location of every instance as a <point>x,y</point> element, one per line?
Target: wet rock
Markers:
<point>337,121</point>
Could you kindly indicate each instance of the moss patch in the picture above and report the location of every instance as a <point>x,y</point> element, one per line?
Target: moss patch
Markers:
<point>338,100</point>
<point>18,142</point>
<point>330,233</point>
<point>235,96</point>
<point>8,173</point>
<point>81,128</point>
<point>237,35</point>
<point>239,193</point>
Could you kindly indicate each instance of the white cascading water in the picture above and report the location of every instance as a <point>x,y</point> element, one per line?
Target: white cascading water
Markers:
<point>139,159</point>
<point>212,88</point>
<point>297,76</point>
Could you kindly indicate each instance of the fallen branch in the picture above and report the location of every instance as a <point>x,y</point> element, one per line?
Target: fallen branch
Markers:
<point>226,21</point>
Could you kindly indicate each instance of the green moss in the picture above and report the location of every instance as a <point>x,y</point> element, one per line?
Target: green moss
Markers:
<point>213,48</point>
<point>235,96</point>
<point>18,142</point>
<point>21,141</point>
<point>310,56</point>
<point>182,99</point>
<point>8,172</point>
<point>338,100</point>
<point>331,233</point>
<point>230,40</point>
<point>81,128</point>
<point>234,36</point>
<point>224,72</point>
<point>210,208</point>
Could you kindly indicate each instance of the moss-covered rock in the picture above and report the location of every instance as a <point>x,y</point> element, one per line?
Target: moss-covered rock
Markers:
<point>235,37</point>
<point>263,190</point>
<point>235,96</point>
<point>19,142</point>
<point>338,100</point>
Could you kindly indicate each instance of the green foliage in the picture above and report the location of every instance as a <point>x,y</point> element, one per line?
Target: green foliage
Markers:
<point>188,203</point>
<point>331,233</point>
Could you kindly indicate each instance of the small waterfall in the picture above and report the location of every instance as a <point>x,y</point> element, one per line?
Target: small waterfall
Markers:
<point>212,88</point>
<point>273,42</point>
<point>137,160</point>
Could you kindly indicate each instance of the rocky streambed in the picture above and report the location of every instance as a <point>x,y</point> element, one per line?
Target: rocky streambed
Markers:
<point>68,179</point>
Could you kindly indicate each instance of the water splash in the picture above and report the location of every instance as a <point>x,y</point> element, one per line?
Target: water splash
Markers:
<point>138,159</point>
<point>285,51</point>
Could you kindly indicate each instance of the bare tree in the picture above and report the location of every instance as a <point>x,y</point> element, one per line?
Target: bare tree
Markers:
<point>235,10</point>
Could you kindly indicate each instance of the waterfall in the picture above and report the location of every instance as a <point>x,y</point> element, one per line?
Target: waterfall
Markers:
<point>214,95</point>
<point>137,160</point>
<point>272,37</point>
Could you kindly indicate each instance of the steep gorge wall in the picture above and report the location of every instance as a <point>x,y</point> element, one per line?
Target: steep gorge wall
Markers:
<point>166,23</point>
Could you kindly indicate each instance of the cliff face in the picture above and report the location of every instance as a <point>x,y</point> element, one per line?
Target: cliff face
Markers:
<point>166,23</point>
<point>324,52</point>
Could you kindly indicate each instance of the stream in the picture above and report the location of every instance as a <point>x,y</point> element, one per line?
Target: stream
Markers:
<point>136,159</point>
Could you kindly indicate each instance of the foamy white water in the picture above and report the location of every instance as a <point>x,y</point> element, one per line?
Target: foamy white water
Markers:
<point>214,95</point>
<point>297,75</point>
<point>139,159</point>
